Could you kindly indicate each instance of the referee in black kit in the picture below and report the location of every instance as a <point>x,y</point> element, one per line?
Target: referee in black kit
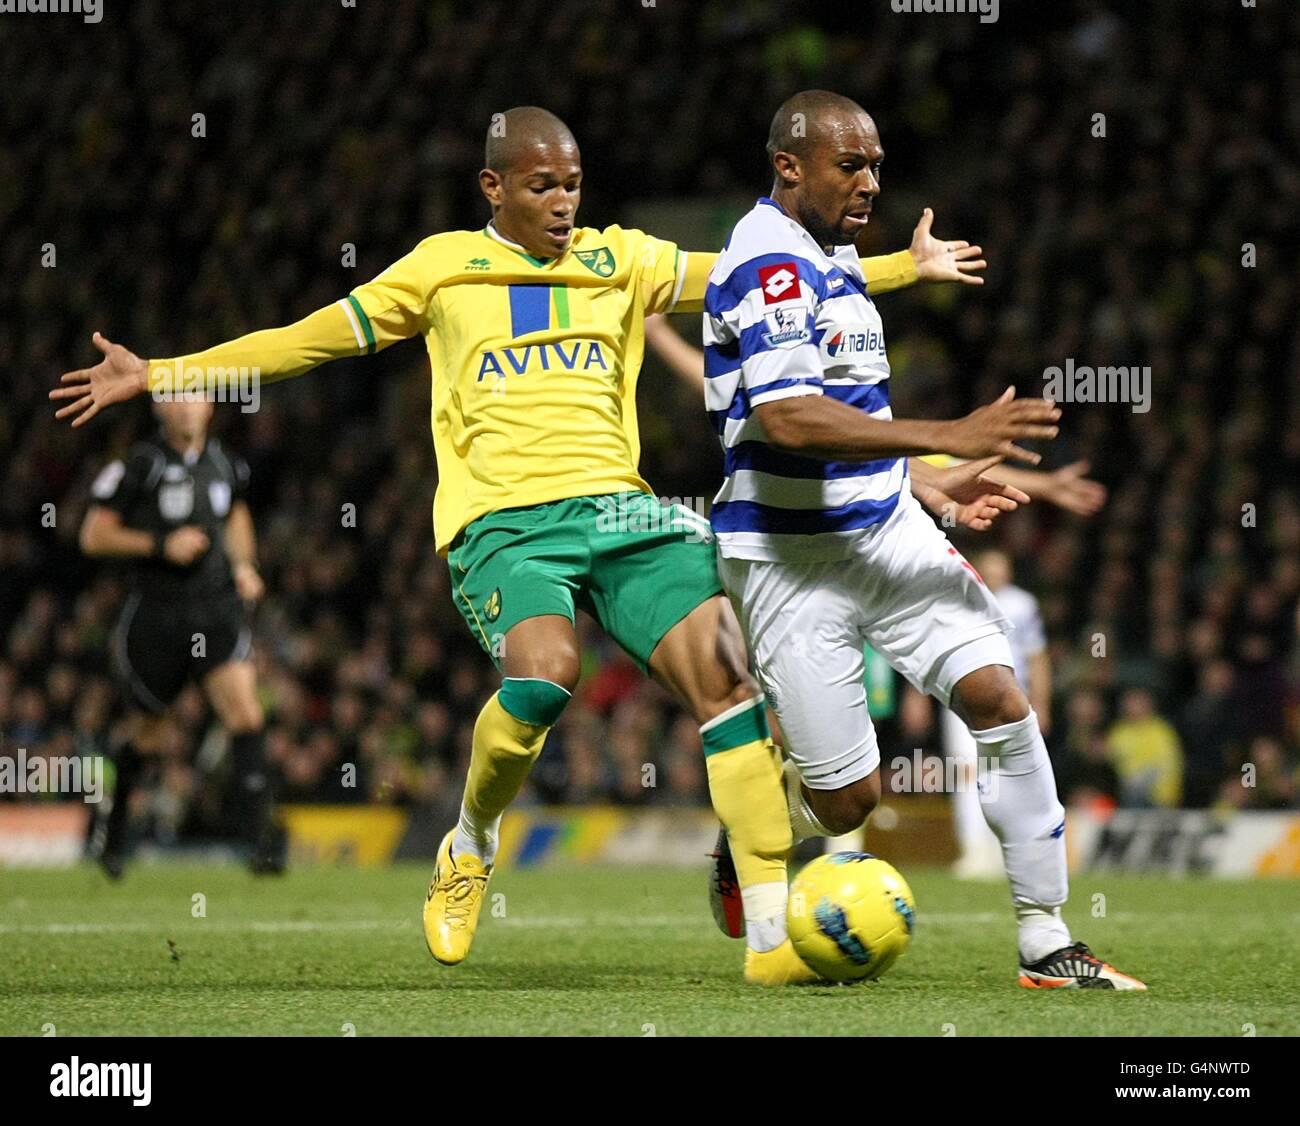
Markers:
<point>175,509</point>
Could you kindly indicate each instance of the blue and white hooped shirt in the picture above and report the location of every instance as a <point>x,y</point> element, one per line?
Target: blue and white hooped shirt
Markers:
<point>784,318</point>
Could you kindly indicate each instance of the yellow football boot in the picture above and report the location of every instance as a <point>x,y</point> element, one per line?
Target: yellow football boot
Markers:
<point>452,906</point>
<point>781,966</point>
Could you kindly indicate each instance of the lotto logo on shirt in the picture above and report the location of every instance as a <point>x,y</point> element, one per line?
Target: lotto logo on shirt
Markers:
<point>780,282</point>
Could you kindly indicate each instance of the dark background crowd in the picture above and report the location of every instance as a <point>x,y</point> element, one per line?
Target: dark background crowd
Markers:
<point>1172,615</point>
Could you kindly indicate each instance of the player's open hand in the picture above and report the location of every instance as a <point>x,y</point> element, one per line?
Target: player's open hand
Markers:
<point>944,260</point>
<point>120,375</point>
<point>992,430</point>
<point>971,498</point>
<point>1068,488</point>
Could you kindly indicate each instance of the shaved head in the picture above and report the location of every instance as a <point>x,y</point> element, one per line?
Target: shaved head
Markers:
<point>826,157</point>
<point>809,118</point>
<point>532,177</point>
<point>519,135</point>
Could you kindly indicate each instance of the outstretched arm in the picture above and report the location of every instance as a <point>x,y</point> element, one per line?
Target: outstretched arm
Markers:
<point>1066,487</point>
<point>927,259</point>
<point>269,355</point>
<point>390,308</point>
<point>818,426</point>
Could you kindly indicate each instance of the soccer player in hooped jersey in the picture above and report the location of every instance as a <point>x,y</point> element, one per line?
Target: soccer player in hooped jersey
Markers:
<point>821,545</point>
<point>534,329</point>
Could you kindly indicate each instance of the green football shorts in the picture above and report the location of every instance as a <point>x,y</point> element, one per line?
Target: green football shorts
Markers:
<point>636,565</point>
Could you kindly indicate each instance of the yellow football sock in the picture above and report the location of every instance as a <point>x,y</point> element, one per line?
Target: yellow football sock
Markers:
<point>505,748</point>
<point>745,785</point>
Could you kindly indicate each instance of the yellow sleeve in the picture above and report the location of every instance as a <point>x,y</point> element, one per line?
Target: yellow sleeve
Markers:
<point>884,273</point>
<point>390,308</point>
<point>889,271</point>
<point>272,354</point>
<point>941,461</point>
<point>696,267</point>
<point>395,305</point>
<point>662,270</point>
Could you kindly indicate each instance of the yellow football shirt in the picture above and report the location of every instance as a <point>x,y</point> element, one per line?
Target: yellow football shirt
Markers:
<point>534,361</point>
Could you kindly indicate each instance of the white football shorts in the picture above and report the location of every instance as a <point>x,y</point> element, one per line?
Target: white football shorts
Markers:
<point>905,591</point>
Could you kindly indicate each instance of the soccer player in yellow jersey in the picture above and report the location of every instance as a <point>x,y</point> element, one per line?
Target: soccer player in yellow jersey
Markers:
<point>534,329</point>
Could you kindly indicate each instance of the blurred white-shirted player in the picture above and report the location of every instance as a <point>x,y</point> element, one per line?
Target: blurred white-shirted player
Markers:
<point>821,546</point>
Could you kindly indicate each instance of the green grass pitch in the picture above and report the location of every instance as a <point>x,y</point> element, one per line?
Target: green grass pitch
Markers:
<point>604,951</point>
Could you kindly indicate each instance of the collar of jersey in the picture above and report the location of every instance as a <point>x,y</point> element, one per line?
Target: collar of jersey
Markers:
<point>795,225</point>
<point>800,229</point>
<point>492,233</point>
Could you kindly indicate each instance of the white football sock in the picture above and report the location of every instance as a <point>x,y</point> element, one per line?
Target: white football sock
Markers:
<point>765,927</point>
<point>476,837</point>
<point>974,837</point>
<point>1042,931</point>
<point>1022,808</point>
<point>802,819</point>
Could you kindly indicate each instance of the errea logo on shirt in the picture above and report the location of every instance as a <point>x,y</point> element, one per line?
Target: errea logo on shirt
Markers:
<point>779,282</point>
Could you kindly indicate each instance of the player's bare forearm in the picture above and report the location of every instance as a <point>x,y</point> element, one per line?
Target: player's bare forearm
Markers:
<point>822,427</point>
<point>921,472</point>
<point>684,360</point>
<point>103,535</point>
<point>241,538</point>
<point>923,476</point>
<point>1067,487</point>
<point>1035,482</point>
<point>964,493</point>
<point>1040,688</point>
<point>241,550</point>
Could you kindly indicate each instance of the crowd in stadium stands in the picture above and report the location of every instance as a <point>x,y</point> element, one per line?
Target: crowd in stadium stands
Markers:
<point>1172,615</point>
